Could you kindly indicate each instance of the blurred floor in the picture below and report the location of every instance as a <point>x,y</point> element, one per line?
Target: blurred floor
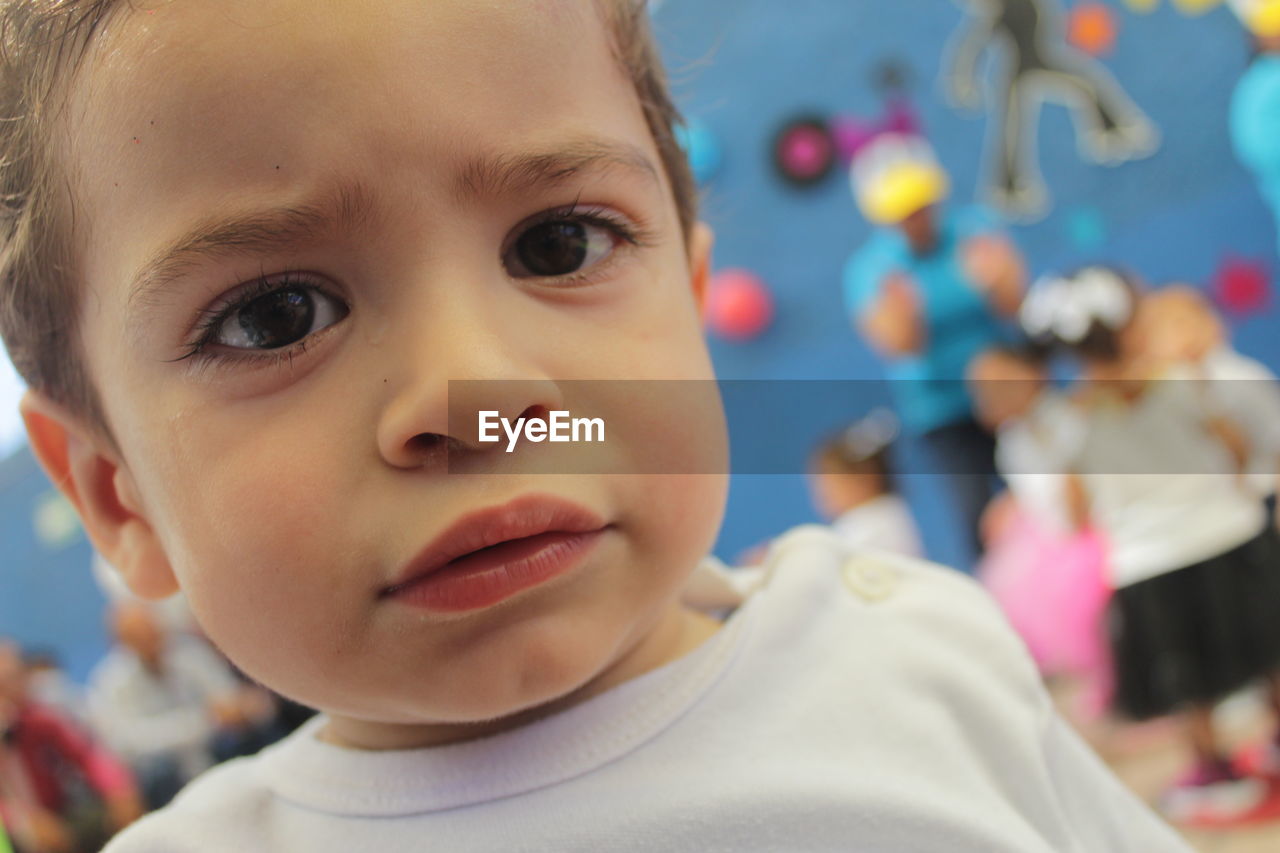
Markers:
<point>1150,756</point>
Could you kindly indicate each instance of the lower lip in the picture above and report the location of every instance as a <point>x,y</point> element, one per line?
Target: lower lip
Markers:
<point>487,577</point>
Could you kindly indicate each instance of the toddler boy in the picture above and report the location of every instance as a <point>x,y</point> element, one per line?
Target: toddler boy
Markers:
<point>254,246</point>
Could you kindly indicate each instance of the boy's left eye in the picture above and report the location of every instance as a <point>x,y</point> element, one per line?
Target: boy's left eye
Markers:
<point>561,247</point>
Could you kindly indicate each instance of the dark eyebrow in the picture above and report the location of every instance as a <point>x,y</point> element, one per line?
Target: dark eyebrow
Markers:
<point>255,232</point>
<point>351,207</point>
<point>512,174</point>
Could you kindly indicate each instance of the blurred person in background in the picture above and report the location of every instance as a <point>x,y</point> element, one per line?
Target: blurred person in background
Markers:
<point>1181,329</point>
<point>1193,560</point>
<point>932,288</point>
<point>1048,576</point>
<point>851,483</point>
<point>59,791</point>
<point>170,705</point>
<point>176,619</point>
<point>49,685</point>
<point>5,845</point>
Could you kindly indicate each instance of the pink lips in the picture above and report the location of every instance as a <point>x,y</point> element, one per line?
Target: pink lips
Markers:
<point>490,555</point>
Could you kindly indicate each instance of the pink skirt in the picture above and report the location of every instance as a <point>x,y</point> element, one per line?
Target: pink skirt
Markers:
<point>1053,588</point>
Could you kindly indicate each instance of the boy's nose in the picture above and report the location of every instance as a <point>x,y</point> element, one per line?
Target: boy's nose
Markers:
<point>435,411</point>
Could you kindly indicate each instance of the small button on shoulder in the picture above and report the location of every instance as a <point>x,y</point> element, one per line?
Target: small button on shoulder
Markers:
<point>869,578</point>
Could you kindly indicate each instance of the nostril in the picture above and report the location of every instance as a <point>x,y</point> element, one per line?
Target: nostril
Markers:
<point>428,443</point>
<point>536,412</point>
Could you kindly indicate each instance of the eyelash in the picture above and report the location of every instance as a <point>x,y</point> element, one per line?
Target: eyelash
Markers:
<point>211,319</point>
<point>635,234</point>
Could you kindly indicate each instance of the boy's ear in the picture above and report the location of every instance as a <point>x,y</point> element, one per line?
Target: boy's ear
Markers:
<point>89,472</point>
<point>701,242</point>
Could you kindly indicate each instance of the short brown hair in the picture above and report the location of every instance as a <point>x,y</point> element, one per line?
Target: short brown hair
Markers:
<point>42,45</point>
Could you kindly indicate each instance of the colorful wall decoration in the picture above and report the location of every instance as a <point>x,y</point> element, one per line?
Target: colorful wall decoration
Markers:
<point>1188,211</point>
<point>1038,63</point>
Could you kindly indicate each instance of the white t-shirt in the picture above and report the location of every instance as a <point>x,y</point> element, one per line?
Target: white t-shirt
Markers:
<point>883,523</point>
<point>1166,491</point>
<point>852,703</point>
<point>1035,453</point>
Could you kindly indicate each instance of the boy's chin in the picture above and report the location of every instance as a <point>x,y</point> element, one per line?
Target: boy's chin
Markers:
<point>522,694</point>
<point>528,694</point>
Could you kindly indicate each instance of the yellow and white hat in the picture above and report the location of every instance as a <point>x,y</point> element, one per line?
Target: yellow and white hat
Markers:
<point>895,175</point>
<point>1262,17</point>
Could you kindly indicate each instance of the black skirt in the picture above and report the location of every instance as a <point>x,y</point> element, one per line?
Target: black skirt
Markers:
<point>1198,634</point>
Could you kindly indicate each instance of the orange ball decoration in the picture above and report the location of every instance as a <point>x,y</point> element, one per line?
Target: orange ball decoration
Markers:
<point>1092,27</point>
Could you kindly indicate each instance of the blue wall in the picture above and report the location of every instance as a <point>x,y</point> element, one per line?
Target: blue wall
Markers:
<point>47,595</point>
<point>744,66</point>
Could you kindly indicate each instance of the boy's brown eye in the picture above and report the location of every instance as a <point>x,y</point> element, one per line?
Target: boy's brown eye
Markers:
<point>559,247</point>
<point>277,319</point>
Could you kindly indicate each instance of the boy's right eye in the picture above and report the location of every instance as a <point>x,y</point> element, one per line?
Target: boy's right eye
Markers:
<point>270,315</point>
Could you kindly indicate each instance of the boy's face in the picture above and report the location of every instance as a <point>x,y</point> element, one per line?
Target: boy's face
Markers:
<point>301,220</point>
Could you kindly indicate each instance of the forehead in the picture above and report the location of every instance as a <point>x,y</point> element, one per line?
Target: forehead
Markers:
<point>188,59</point>
<point>197,103</point>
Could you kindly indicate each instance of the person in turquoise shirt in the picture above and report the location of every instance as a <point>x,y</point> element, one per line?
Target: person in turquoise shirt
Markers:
<point>1255,106</point>
<point>930,290</point>
<point>946,319</point>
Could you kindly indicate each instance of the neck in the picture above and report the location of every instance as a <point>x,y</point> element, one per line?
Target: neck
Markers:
<point>923,245</point>
<point>1120,377</point>
<point>1131,367</point>
<point>153,665</point>
<point>1102,371</point>
<point>861,501</point>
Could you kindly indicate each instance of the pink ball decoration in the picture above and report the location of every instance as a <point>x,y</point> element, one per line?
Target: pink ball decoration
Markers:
<point>739,306</point>
<point>803,151</point>
<point>806,151</point>
<point>1242,286</point>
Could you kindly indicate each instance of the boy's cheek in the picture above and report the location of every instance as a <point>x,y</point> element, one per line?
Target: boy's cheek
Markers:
<point>678,515</point>
<point>245,511</point>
